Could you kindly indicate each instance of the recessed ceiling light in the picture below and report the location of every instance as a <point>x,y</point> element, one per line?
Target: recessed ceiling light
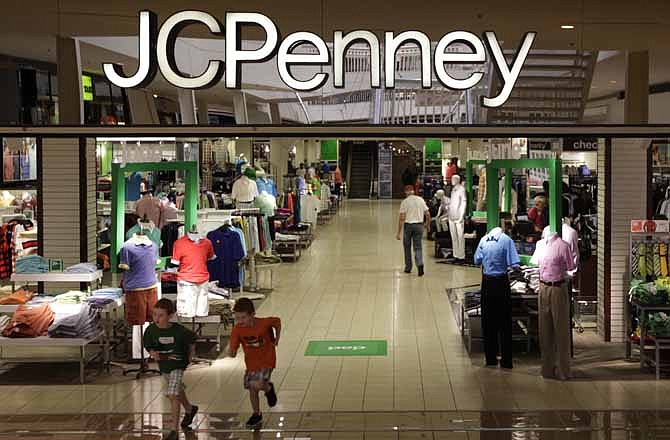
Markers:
<point>155,96</point>
<point>567,26</point>
<point>612,81</point>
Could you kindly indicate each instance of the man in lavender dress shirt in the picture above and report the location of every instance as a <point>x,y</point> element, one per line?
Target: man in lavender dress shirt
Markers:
<point>555,260</point>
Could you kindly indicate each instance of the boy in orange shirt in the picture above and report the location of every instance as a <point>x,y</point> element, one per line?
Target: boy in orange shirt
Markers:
<point>258,337</point>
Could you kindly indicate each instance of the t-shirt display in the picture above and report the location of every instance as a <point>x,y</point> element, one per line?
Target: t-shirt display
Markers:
<point>228,249</point>
<point>192,257</point>
<point>139,260</point>
<point>173,344</point>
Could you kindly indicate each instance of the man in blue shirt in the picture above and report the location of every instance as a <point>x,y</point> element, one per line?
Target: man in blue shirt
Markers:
<point>496,252</point>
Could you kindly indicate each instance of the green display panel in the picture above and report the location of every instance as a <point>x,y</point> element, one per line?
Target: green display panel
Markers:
<point>87,86</point>
<point>347,348</point>
<point>433,149</point>
<point>329,150</point>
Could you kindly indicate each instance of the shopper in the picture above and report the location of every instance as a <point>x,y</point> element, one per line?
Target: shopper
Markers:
<point>496,253</point>
<point>553,256</point>
<point>538,213</point>
<point>258,337</point>
<point>172,346</point>
<point>414,214</point>
<point>452,168</point>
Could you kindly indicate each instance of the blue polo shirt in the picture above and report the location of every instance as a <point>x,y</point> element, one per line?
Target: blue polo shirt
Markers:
<point>496,252</point>
<point>141,261</point>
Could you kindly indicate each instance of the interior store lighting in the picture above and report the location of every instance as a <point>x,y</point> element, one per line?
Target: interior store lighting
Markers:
<point>143,139</point>
<point>567,26</point>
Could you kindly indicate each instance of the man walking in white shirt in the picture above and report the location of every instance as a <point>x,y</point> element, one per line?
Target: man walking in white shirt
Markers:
<point>414,215</point>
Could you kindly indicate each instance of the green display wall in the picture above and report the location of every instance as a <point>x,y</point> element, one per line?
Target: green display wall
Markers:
<point>329,150</point>
<point>433,149</point>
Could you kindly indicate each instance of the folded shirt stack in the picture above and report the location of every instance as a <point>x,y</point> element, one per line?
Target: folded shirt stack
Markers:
<point>84,324</point>
<point>82,268</point>
<point>214,291</point>
<point>519,287</point>
<point>19,297</point>
<point>32,264</point>
<point>286,237</point>
<point>41,299</point>
<point>29,322</point>
<point>108,292</point>
<point>71,297</point>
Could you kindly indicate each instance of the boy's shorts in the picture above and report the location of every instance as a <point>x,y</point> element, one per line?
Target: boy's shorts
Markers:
<point>252,376</point>
<point>175,383</point>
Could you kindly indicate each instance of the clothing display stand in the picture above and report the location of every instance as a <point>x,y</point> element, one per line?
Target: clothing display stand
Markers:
<point>144,363</point>
<point>198,360</point>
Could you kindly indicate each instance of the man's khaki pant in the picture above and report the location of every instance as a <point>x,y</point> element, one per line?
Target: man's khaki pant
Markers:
<point>554,319</point>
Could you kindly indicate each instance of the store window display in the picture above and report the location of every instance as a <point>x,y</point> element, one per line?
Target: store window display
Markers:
<point>457,206</point>
<point>496,253</point>
<point>245,189</point>
<point>555,260</point>
<point>191,253</point>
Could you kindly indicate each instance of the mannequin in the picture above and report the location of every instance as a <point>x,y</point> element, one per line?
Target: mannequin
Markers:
<point>513,208</point>
<point>555,260</point>
<point>442,218</point>
<point>456,218</point>
<point>496,252</point>
<point>139,256</point>
<point>245,189</point>
<point>147,228</point>
<point>191,253</point>
<point>481,191</point>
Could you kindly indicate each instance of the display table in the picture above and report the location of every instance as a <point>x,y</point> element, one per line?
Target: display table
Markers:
<point>657,344</point>
<point>45,341</point>
<point>56,277</point>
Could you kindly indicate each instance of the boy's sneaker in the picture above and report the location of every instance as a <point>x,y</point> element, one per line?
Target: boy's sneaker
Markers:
<point>271,396</point>
<point>188,417</point>
<point>420,271</point>
<point>172,436</point>
<point>254,420</point>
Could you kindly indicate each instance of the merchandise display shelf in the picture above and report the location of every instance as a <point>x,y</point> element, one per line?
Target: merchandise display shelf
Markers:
<point>56,277</point>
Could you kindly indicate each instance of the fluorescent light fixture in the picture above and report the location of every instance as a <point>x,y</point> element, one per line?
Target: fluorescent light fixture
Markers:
<point>155,95</point>
<point>135,139</point>
<point>567,26</point>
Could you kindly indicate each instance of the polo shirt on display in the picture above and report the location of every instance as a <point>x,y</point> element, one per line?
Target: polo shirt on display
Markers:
<point>496,252</point>
<point>244,190</point>
<point>553,256</point>
<point>192,258</point>
<point>414,208</point>
<point>228,248</point>
<point>139,260</point>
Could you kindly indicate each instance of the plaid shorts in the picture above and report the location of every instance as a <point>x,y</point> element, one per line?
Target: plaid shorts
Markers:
<point>252,376</point>
<point>175,383</point>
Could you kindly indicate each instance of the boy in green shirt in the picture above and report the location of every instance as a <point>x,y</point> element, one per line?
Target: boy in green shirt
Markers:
<point>172,346</point>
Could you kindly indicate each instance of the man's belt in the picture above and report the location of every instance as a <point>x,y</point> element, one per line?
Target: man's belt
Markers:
<point>552,283</point>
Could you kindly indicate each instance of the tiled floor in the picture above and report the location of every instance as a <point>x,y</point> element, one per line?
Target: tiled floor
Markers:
<point>350,285</point>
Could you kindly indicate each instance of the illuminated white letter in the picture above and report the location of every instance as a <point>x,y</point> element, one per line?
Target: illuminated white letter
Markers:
<point>285,58</point>
<point>341,45</point>
<point>392,45</point>
<point>165,49</point>
<point>478,56</point>
<point>507,76</point>
<point>234,53</point>
<point>147,57</point>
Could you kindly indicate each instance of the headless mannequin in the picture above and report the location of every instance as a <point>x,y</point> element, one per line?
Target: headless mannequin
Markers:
<point>456,218</point>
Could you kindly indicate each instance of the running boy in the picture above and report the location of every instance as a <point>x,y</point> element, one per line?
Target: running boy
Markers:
<point>258,337</point>
<point>172,346</point>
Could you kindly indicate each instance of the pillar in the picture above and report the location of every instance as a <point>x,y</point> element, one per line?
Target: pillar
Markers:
<point>240,107</point>
<point>142,106</point>
<point>636,104</point>
<point>67,215</point>
<point>275,115</point>
<point>187,106</point>
<point>70,99</point>
<point>202,111</point>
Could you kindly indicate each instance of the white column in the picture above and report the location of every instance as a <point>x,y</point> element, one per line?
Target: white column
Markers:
<point>187,106</point>
<point>70,99</point>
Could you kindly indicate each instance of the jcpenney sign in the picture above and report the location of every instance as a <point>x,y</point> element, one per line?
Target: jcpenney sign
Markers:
<point>157,51</point>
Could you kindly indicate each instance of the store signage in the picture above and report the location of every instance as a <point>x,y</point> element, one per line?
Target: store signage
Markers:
<point>87,88</point>
<point>649,226</point>
<point>540,145</point>
<point>580,144</point>
<point>347,348</point>
<point>157,51</point>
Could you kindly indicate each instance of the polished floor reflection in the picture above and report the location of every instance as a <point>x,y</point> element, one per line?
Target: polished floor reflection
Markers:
<point>492,425</point>
<point>348,286</point>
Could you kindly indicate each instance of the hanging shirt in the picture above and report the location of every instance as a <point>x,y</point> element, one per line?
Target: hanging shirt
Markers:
<point>244,190</point>
<point>139,260</point>
<point>192,258</point>
<point>228,249</point>
<point>496,252</point>
<point>149,206</point>
<point>133,187</point>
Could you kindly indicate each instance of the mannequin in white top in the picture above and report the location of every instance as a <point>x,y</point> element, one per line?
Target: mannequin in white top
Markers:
<point>442,218</point>
<point>456,218</point>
